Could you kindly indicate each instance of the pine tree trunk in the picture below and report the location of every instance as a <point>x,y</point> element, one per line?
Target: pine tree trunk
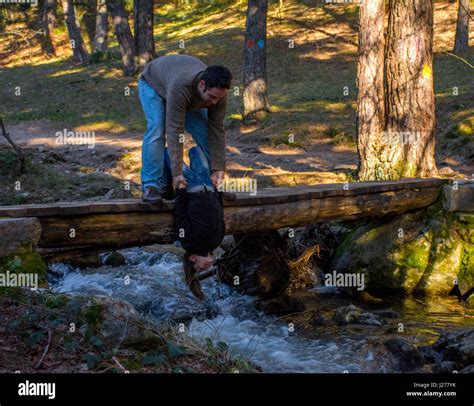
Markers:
<point>49,22</point>
<point>143,29</point>
<point>370,112</point>
<point>124,35</point>
<point>101,26</point>
<point>462,27</point>
<point>80,54</point>
<point>409,101</point>
<point>255,97</point>
<point>88,20</point>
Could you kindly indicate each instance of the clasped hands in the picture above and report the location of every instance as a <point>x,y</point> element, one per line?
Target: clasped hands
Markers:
<point>217,177</point>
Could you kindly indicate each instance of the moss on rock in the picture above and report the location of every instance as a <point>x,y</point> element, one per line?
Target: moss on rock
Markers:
<point>422,252</point>
<point>25,262</point>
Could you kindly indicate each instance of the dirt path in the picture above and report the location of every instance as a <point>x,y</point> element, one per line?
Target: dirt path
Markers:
<point>116,157</point>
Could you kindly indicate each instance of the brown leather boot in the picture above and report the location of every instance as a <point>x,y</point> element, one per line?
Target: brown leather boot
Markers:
<point>152,195</point>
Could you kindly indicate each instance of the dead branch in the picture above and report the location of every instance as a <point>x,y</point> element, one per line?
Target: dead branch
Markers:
<point>19,153</point>
<point>50,335</point>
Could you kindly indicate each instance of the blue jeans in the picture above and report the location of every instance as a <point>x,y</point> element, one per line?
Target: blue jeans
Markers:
<point>156,164</point>
<point>198,175</point>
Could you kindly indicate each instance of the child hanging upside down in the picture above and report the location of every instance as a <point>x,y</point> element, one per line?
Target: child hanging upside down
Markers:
<point>199,218</point>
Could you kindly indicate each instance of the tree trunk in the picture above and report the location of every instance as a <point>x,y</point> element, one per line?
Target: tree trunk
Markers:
<point>101,26</point>
<point>88,21</point>
<point>462,27</point>
<point>143,29</point>
<point>370,112</point>
<point>409,102</point>
<point>124,34</point>
<point>80,54</point>
<point>49,22</point>
<point>255,97</point>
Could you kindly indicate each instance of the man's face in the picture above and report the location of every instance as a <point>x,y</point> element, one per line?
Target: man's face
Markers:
<point>201,263</point>
<point>211,95</point>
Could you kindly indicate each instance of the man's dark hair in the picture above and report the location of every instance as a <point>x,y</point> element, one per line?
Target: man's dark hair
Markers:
<point>217,76</point>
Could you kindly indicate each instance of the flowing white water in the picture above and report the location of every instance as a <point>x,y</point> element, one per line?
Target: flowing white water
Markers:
<point>154,284</point>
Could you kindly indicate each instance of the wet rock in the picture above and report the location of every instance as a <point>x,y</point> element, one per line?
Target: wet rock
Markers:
<point>430,356</point>
<point>114,259</point>
<point>281,306</point>
<point>202,311</point>
<point>446,367</point>
<point>468,370</point>
<point>118,322</point>
<point>406,356</point>
<point>457,346</point>
<point>355,315</point>
<point>84,260</point>
<point>154,258</point>
<point>469,303</point>
<point>416,252</point>
<point>227,242</point>
<point>319,320</point>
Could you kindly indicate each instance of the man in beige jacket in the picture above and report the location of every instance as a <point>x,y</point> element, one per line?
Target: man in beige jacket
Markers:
<point>179,92</point>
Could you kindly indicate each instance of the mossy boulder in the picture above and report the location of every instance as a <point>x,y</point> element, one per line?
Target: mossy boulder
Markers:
<point>422,252</point>
<point>25,263</point>
<point>116,321</point>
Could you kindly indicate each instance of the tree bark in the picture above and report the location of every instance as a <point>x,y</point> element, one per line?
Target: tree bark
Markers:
<point>409,102</point>
<point>80,54</point>
<point>143,29</point>
<point>124,35</point>
<point>462,27</point>
<point>88,20</point>
<point>101,27</point>
<point>49,22</point>
<point>255,97</point>
<point>370,112</point>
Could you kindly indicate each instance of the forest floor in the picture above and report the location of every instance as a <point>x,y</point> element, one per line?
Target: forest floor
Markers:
<point>318,109</point>
<point>34,337</point>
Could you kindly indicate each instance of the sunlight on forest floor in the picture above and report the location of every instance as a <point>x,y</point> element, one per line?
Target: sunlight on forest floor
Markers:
<point>312,90</point>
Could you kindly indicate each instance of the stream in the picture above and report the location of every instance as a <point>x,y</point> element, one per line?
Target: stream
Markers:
<point>153,282</point>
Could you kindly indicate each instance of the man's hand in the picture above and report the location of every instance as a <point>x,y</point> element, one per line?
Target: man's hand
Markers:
<point>179,182</point>
<point>217,179</point>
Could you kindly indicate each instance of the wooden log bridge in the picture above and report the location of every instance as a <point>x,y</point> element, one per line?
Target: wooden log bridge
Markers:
<point>104,225</point>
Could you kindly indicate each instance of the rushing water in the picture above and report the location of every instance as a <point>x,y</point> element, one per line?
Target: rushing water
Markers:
<point>153,283</point>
